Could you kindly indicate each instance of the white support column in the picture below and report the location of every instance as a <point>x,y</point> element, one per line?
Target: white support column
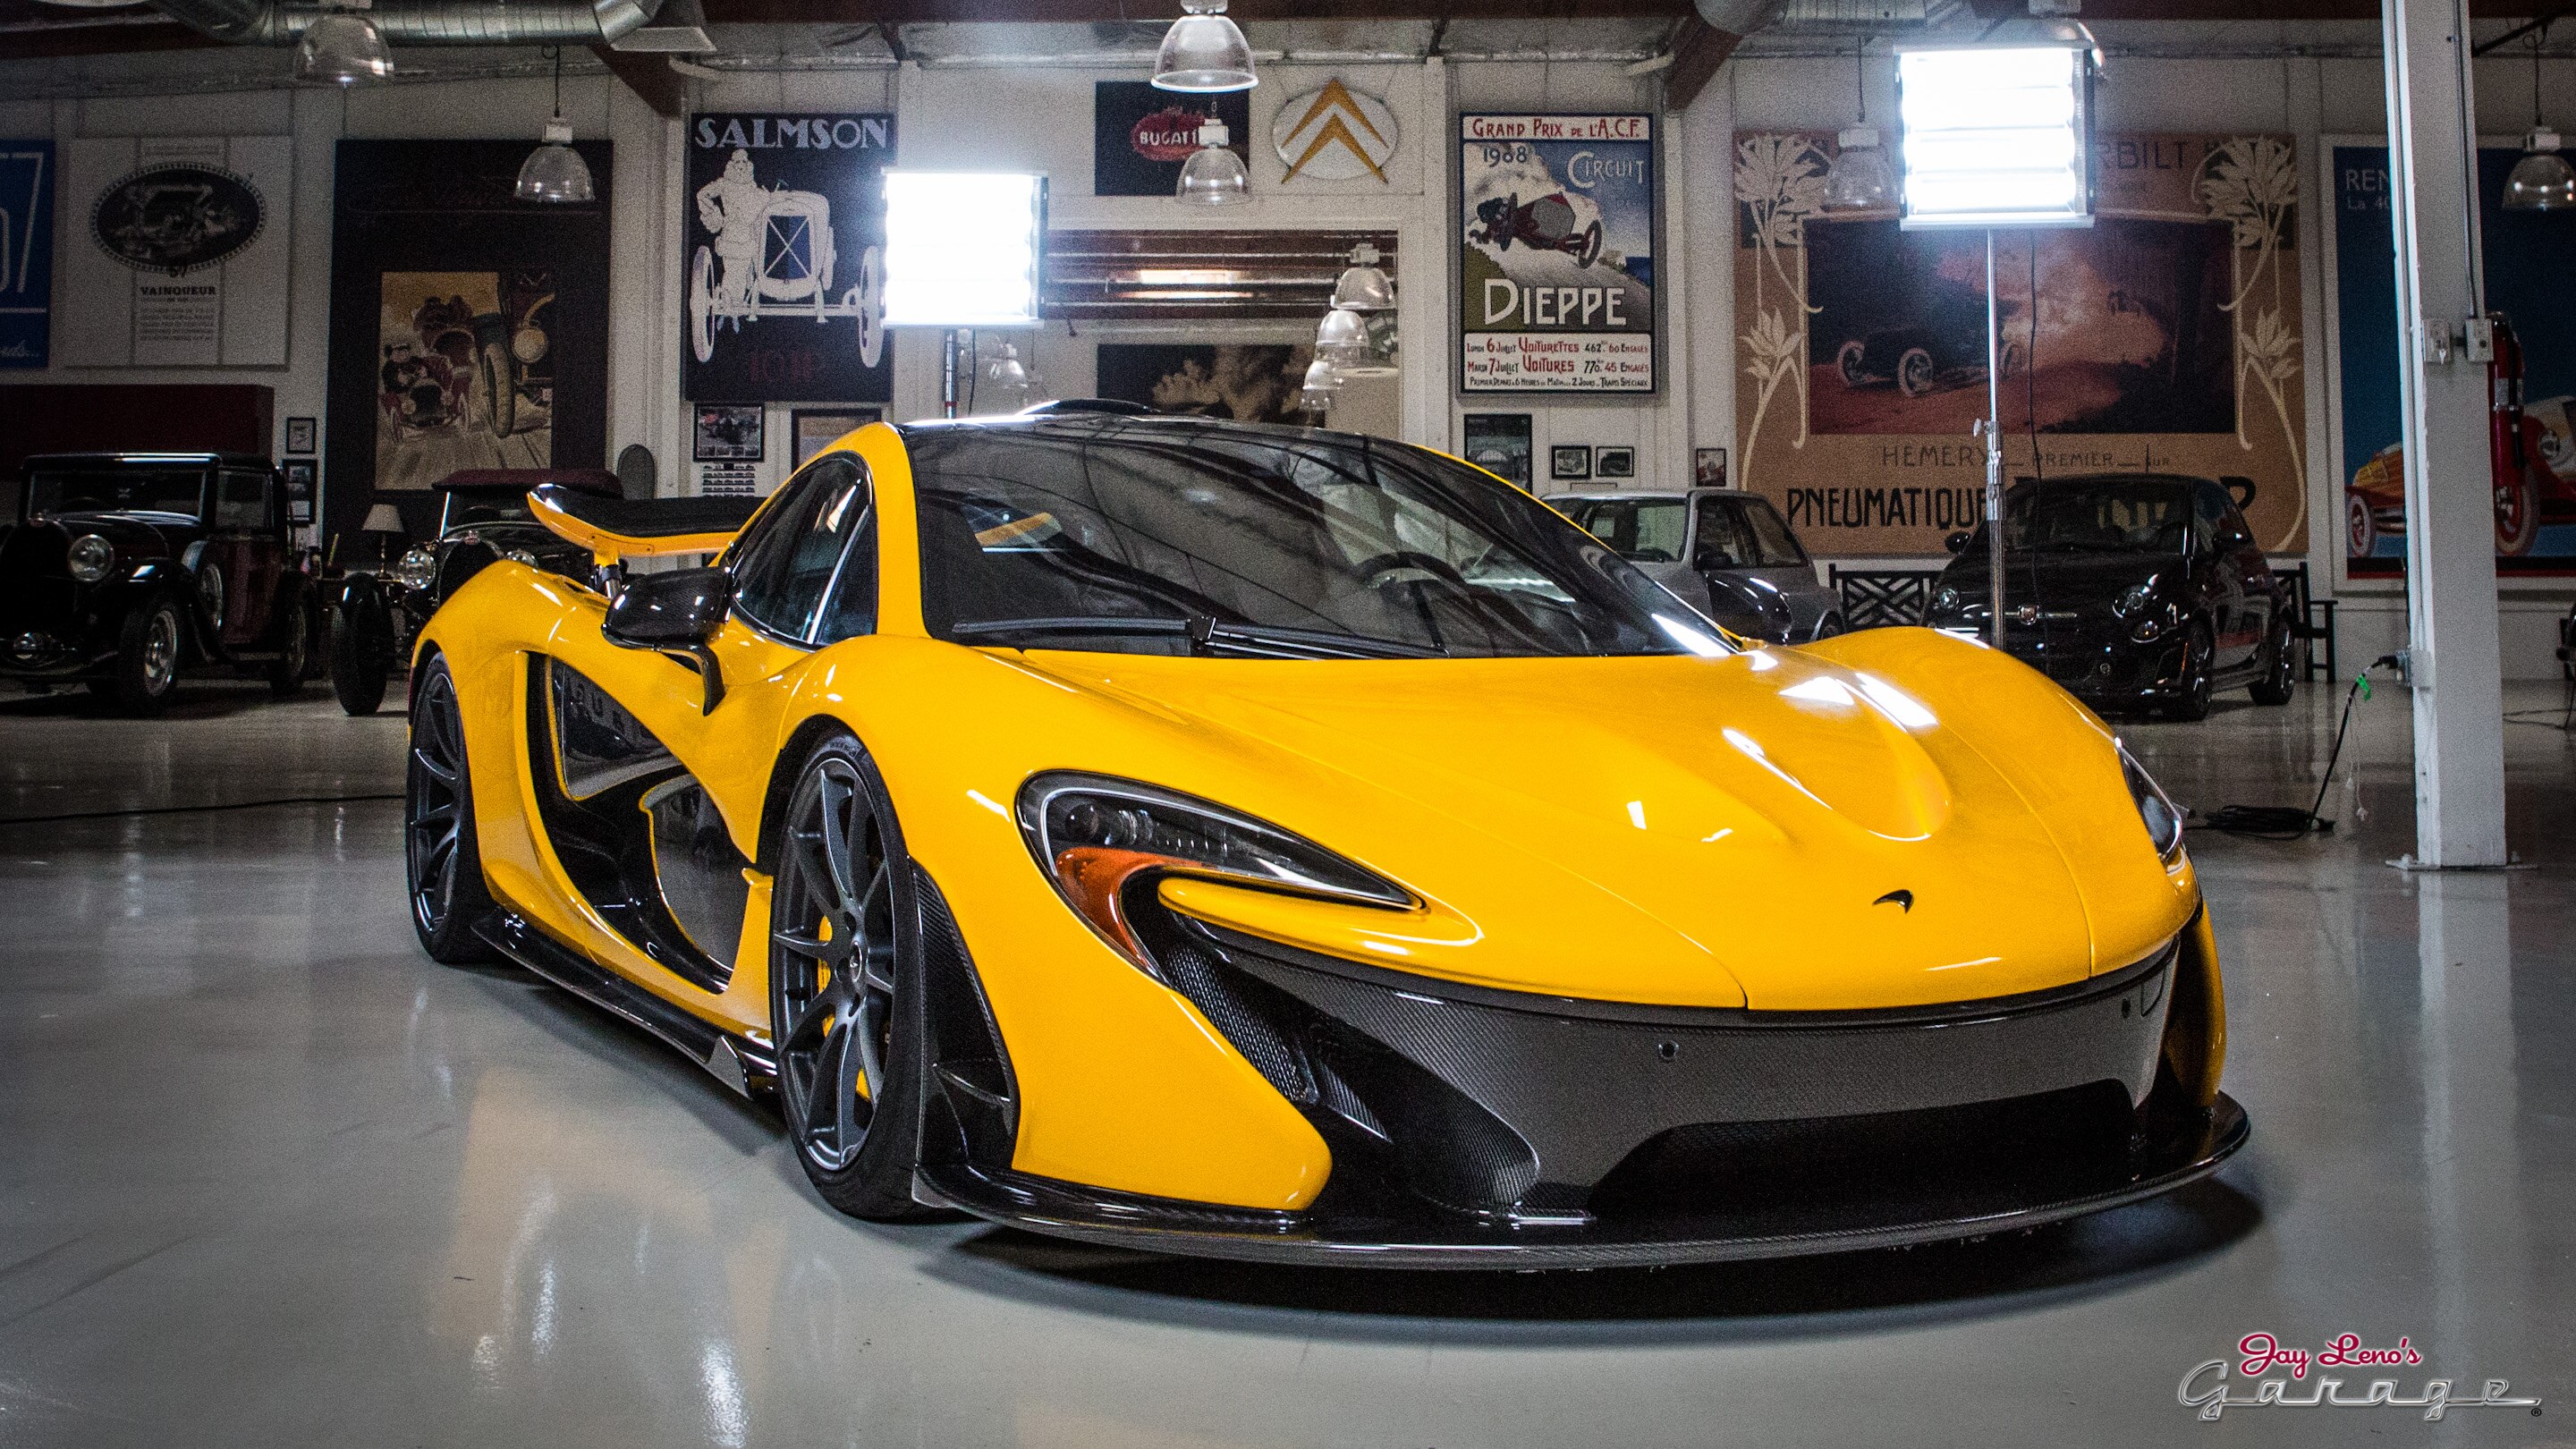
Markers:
<point>2450,520</point>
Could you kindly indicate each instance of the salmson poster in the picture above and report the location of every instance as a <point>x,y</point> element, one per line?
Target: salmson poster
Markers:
<point>783,258</point>
<point>2163,338</point>
<point>1557,253</point>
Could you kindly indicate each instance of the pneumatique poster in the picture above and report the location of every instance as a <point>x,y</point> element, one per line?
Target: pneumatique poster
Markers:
<point>26,252</point>
<point>2526,255</point>
<point>1556,281</point>
<point>180,251</point>
<point>2165,337</point>
<point>783,258</point>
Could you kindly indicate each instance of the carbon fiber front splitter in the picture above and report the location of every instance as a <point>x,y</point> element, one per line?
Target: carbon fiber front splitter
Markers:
<point>2050,1194</point>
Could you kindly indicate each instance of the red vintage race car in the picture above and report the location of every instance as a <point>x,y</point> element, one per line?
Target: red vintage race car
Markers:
<point>2531,459</point>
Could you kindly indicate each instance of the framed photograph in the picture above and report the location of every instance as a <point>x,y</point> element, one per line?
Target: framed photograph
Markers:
<point>1708,467</point>
<point>1570,461</point>
<point>300,435</point>
<point>729,433</point>
<point>1499,443</point>
<point>303,481</point>
<point>811,430</point>
<point>1614,463</point>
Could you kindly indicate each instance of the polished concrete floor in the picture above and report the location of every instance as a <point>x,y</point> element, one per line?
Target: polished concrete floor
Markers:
<point>270,1177</point>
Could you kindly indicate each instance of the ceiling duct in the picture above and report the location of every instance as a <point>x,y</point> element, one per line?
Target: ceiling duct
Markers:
<point>1853,16</point>
<point>431,22</point>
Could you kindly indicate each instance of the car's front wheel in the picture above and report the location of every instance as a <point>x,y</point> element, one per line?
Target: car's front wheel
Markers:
<point>294,662</point>
<point>442,860</point>
<point>2199,674</point>
<point>844,993</point>
<point>147,657</point>
<point>361,643</point>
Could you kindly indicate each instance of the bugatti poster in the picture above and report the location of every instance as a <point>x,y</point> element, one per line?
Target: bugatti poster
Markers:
<point>2534,475</point>
<point>178,254</point>
<point>782,258</point>
<point>2166,338</point>
<point>1557,268</point>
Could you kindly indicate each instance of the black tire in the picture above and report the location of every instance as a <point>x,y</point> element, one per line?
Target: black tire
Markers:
<point>1852,361</point>
<point>2199,666</point>
<point>494,384</point>
<point>845,1004</point>
<point>2279,683</point>
<point>442,864</point>
<point>359,666</point>
<point>148,647</point>
<point>294,662</point>
<point>1915,372</point>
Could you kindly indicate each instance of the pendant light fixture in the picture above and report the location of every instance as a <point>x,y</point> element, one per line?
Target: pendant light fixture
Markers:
<point>2542,180</point>
<point>341,49</point>
<point>1364,285</point>
<point>1859,179</point>
<point>1204,51</point>
<point>1213,175</point>
<point>555,172</point>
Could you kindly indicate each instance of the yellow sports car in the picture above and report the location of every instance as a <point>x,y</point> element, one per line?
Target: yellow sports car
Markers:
<point>1278,843</point>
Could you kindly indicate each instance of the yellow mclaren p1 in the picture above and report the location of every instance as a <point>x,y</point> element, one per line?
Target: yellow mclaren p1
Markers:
<point>1278,843</point>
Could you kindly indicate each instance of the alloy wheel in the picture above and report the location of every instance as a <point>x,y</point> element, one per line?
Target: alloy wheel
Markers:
<point>434,802</point>
<point>833,970</point>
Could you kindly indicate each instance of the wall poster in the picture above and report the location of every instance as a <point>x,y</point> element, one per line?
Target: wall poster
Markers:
<point>1248,382</point>
<point>179,256</point>
<point>468,329</point>
<point>26,252</point>
<point>2525,253</point>
<point>782,258</point>
<point>1140,135</point>
<point>2166,338</point>
<point>1556,283</point>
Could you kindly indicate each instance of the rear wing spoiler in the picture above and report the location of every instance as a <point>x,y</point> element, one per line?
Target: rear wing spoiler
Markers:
<point>618,528</point>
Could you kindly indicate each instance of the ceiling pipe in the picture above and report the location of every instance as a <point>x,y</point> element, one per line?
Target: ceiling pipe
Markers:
<point>431,22</point>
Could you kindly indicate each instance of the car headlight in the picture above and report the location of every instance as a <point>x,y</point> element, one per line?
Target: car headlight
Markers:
<point>520,556</point>
<point>2133,598</point>
<point>418,565</point>
<point>91,558</point>
<point>1099,838</point>
<point>2162,817</point>
<point>2155,623</point>
<point>1944,599</point>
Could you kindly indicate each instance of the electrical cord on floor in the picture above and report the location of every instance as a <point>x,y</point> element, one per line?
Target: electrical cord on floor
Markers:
<point>2288,822</point>
<point>197,809</point>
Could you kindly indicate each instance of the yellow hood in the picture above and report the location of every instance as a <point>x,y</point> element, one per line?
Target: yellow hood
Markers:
<point>1682,831</point>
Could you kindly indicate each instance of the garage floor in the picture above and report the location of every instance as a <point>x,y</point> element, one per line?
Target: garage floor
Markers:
<point>268,1176</point>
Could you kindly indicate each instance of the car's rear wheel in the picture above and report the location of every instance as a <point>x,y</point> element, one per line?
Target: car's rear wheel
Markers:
<point>1915,371</point>
<point>286,673</point>
<point>147,658</point>
<point>1853,362</point>
<point>361,640</point>
<point>2281,666</point>
<point>442,861</point>
<point>843,987</point>
<point>2199,669</point>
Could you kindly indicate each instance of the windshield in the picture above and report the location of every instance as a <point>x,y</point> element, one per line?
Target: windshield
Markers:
<point>115,490</point>
<point>2147,516</point>
<point>1165,538</point>
<point>499,505</point>
<point>1744,533</point>
<point>1646,530</point>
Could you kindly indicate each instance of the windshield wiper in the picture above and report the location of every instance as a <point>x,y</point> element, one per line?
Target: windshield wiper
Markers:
<point>1206,636</point>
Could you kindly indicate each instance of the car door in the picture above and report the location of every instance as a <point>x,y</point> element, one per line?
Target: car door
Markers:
<point>2235,620</point>
<point>243,547</point>
<point>2257,597</point>
<point>652,802</point>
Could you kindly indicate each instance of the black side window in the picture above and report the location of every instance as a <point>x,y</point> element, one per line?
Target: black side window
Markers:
<point>787,561</point>
<point>241,501</point>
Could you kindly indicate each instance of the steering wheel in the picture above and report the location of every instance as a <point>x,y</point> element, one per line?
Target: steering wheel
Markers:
<point>1386,563</point>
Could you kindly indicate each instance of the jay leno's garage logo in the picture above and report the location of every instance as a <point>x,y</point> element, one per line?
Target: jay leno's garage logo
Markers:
<point>2277,1377</point>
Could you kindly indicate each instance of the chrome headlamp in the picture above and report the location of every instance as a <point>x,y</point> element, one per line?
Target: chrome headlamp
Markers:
<point>2133,598</point>
<point>1944,599</point>
<point>1096,836</point>
<point>417,567</point>
<point>2156,810</point>
<point>2155,623</point>
<point>91,558</point>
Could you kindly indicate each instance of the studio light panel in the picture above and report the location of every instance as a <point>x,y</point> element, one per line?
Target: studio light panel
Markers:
<point>1994,137</point>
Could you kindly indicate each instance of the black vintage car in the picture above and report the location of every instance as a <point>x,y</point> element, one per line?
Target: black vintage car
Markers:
<point>2134,591</point>
<point>122,570</point>
<point>483,516</point>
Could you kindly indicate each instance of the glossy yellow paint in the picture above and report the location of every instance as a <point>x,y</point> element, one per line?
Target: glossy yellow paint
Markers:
<point>1672,830</point>
<point>608,547</point>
